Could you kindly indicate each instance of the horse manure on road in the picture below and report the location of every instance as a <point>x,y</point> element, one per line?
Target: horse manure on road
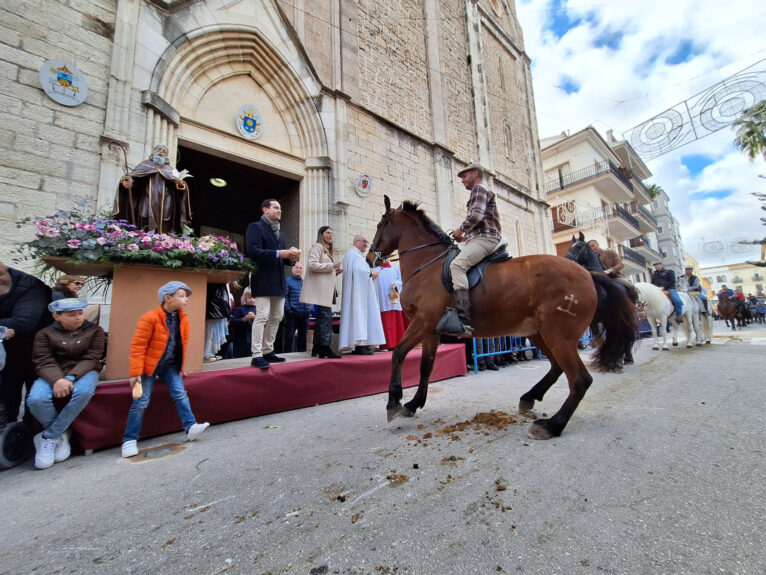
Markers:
<point>482,423</point>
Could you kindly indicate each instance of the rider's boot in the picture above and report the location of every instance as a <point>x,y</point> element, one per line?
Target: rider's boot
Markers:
<point>456,320</point>
<point>463,306</point>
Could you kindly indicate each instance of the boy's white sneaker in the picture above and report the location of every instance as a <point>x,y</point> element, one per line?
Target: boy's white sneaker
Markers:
<point>44,451</point>
<point>196,430</point>
<point>63,449</point>
<point>130,448</point>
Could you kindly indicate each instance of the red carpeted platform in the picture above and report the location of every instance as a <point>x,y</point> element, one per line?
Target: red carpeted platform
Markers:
<point>226,395</point>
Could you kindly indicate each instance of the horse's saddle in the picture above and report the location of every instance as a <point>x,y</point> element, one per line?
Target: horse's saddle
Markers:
<point>476,273</point>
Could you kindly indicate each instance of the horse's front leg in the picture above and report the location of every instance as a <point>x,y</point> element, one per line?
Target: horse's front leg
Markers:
<point>430,343</point>
<point>688,330</point>
<point>412,337</point>
<point>527,401</point>
<point>664,328</point>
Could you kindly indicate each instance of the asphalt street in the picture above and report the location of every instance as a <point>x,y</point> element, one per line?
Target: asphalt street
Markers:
<point>660,471</point>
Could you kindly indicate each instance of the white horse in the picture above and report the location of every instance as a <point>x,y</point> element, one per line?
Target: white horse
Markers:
<point>694,310</point>
<point>707,324</point>
<point>659,310</point>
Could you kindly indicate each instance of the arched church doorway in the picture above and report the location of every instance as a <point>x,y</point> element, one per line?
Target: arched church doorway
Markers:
<point>226,196</point>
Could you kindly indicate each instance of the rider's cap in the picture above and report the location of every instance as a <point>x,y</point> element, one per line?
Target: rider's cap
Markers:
<point>656,263</point>
<point>470,167</point>
<point>689,268</point>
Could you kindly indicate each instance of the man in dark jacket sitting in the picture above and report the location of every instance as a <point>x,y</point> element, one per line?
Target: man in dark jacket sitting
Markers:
<point>23,311</point>
<point>666,279</point>
<point>67,357</point>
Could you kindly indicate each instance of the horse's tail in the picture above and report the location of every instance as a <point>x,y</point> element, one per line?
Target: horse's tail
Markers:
<point>617,314</point>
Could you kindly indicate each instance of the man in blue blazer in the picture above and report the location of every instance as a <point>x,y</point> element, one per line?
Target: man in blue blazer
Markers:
<point>266,247</point>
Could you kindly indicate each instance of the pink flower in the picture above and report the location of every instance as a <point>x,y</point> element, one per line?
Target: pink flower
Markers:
<point>204,246</point>
<point>101,241</point>
<point>73,244</point>
<point>132,247</point>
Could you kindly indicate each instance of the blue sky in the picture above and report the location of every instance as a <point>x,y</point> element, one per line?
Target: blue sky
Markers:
<point>615,64</point>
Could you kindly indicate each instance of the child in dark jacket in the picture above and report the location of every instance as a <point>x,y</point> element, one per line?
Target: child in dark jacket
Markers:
<point>296,312</point>
<point>67,358</point>
<point>241,327</point>
<point>158,350</point>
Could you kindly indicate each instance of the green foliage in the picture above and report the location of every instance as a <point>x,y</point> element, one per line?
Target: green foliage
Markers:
<point>87,239</point>
<point>751,131</point>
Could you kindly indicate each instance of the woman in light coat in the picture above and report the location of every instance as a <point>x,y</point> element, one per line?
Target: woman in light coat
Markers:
<point>319,290</point>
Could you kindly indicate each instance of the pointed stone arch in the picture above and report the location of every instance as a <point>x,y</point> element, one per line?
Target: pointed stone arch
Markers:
<point>200,58</point>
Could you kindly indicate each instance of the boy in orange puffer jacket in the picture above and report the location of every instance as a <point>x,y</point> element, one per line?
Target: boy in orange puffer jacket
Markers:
<point>158,349</point>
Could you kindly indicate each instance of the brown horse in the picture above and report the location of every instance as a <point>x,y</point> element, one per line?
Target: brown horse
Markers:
<point>727,309</point>
<point>546,298</point>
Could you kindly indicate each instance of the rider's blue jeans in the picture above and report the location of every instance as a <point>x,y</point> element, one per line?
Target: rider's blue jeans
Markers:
<point>677,303</point>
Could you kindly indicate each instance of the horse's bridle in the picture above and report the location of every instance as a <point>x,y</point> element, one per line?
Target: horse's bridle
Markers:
<point>379,257</point>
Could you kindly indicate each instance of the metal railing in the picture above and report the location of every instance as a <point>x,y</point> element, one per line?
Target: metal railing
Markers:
<point>636,208</point>
<point>632,256</point>
<point>586,174</point>
<point>617,211</point>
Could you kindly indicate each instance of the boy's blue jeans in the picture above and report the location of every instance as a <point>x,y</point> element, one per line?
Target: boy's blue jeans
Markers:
<point>40,404</point>
<point>177,391</point>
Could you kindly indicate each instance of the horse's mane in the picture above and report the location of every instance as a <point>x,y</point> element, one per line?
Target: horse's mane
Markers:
<point>431,227</point>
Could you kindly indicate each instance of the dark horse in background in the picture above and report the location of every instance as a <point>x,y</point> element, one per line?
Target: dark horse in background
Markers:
<point>548,299</point>
<point>733,312</point>
<point>581,253</point>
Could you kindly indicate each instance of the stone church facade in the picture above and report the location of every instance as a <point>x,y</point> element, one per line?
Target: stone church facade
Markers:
<point>405,93</point>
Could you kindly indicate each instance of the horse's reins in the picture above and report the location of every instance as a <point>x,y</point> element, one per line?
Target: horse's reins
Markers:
<point>382,258</point>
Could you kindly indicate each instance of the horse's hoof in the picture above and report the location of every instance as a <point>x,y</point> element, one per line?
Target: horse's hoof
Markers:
<point>538,431</point>
<point>689,346</point>
<point>675,344</point>
<point>699,345</point>
<point>526,405</point>
<point>708,342</point>
<point>655,348</point>
<point>665,349</point>
<point>398,411</point>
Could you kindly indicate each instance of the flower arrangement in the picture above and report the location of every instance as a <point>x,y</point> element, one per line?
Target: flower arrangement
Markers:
<point>83,239</point>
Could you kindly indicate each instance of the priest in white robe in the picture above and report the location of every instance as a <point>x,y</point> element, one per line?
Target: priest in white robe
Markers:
<point>360,324</point>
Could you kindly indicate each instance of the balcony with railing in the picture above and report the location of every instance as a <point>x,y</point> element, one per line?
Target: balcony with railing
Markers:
<point>641,191</point>
<point>632,256</point>
<point>643,246</point>
<point>757,277</point>
<point>737,280</point>
<point>620,190</point>
<point>647,221</point>
<point>622,225</point>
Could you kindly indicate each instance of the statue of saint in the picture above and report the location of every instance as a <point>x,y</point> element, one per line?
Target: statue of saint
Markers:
<point>154,195</point>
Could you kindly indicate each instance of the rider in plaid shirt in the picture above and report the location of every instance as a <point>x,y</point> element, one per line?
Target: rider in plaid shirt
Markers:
<point>481,233</point>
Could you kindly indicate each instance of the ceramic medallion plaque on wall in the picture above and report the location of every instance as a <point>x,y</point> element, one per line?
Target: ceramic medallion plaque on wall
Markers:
<point>63,82</point>
<point>364,185</point>
<point>249,122</point>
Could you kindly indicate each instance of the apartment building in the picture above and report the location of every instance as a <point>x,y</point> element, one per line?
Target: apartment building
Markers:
<point>595,185</point>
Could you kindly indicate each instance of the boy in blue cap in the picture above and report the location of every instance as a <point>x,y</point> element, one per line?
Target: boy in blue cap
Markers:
<point>67,358</point>
<point>158,349</point>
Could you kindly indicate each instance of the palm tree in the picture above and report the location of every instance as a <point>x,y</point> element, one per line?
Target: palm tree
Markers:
<point>751,131</point>
<point>654,190</point>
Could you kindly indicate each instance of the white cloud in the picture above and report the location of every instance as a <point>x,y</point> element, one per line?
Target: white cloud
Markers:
<point>623,87</point>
